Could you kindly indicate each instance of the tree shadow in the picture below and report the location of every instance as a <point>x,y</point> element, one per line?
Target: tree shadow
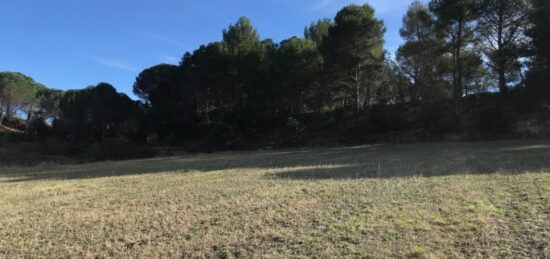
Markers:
<point>403,170</point>
<point>430,160</point>
<point>181,164</point>
<point>373,161</point>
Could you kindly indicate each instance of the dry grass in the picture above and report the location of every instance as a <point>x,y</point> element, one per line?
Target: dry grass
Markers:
<point>429,200</point>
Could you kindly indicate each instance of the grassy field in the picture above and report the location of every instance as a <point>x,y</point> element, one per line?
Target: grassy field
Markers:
<point>416,201</point>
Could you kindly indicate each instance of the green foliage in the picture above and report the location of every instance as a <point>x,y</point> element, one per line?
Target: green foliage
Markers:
<point>298,64</point>
<point>539,16</point>
<point>501,31</point>
<point>17,93</point>
<point>455,26</point>
<point>96,113</point>
<point>295,130</point>
<point>539,33</point>
<point>421,56</point>
<point>337,81</point>
<point>152,77</point>
<point>318,31</point>
<point>241,38</point>
<point>49,99</point>
<point>354,51</point>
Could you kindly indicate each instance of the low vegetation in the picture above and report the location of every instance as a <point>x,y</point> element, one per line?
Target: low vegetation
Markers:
<point>418,201</point>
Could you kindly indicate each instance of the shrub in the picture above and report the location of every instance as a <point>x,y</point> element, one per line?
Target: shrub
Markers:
<point>118,149</point>
<point>220,132</point>
<point>438,118</point>
<point>39,128</point>
<point>295,130</point>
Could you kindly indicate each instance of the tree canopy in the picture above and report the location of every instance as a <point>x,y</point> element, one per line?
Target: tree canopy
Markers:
<point>467,67</point>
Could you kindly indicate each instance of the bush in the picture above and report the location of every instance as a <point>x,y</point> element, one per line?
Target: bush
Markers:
<point>220,132</point>
<point>118,149</point>
<point>295,130</point>
<point>39,128</point>
<point>486,120</point>
<point>438,118</point>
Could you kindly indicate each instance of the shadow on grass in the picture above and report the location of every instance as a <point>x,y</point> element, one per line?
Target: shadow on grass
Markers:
<point>404,170</point>
<point>376,161</point>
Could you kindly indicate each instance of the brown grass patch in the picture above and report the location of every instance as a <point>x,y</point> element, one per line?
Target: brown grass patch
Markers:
<point>418,201</point>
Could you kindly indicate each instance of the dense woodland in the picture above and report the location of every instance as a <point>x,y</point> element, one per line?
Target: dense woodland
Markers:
<point>469,69</point>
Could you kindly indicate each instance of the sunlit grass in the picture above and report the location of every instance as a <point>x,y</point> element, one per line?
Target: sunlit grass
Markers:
<point>429,200</point>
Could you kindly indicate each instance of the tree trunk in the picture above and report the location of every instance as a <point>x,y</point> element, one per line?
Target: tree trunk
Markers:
<point>457,91</point>
<point>7,113</point>
<point>458,86</point>
<point>500,59</point>
<point>502,81</point>
<point>367,97</point>
<point>415,91</point>
<point>356,97</point>
<point>1,112</point>
<point>29,116</point>
<point>357,88</point>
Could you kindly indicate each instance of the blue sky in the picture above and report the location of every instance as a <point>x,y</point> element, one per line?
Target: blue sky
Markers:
<point>70,44</point>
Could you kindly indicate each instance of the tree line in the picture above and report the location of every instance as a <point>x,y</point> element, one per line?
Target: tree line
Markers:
<point>467,67</point>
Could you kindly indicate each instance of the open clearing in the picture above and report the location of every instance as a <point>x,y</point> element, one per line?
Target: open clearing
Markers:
<point>425,200</point>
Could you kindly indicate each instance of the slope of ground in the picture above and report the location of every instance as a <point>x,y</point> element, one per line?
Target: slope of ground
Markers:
<point>426,200</point>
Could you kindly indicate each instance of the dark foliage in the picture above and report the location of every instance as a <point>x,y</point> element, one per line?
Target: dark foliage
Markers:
<point>117,149</point>
<point>97,113</point>
<point>468,69</point>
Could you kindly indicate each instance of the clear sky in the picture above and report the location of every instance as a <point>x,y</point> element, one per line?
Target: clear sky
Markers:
<point>70,44</point>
